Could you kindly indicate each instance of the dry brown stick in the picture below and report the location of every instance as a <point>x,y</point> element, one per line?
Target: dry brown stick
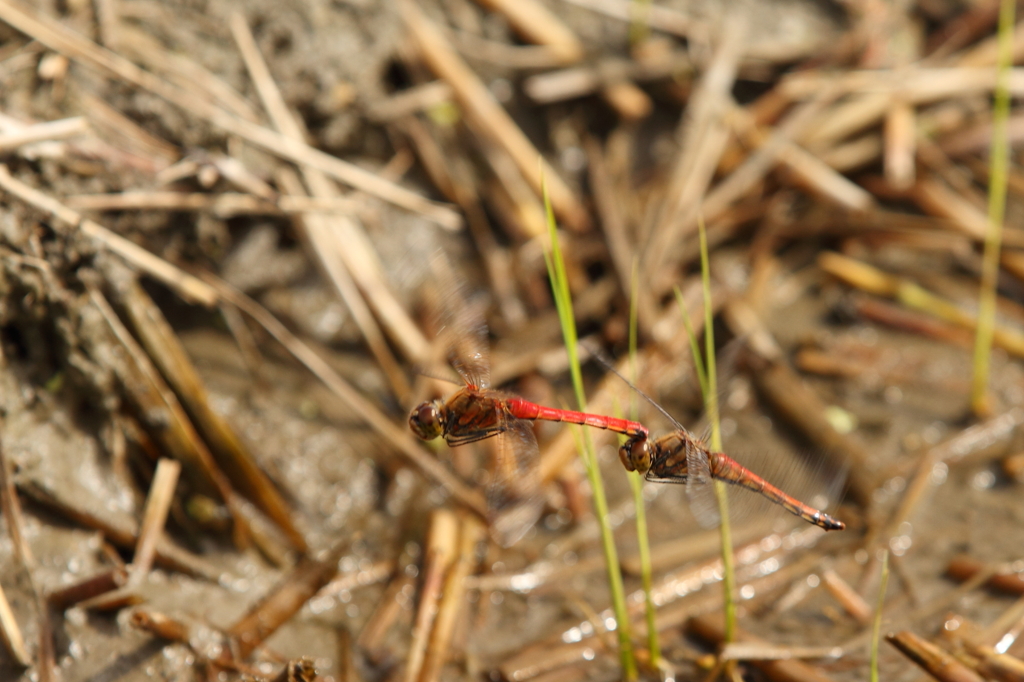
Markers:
<point>234,457</point>
<point>985,52</point>
<point>657,17</point>
<point>962,30</point>
<point>900,145</point>
<point>285,600</point>
<point>110,124</point>
<point>347,671</point>
<point>897,317</point>
<point>752,170</point>
<point>92,586</point>
<point>875,281</point>
<point>705,133</point>
<point>847,597</point>
<point>10,631</point>
<point>505,55</point>
<point>398,437</point>
<point>410,101</point>
<point>160,625</point>
<point>610,212</point>
<point>915,84</point>
<point>438,558</point>
<point>450,171</point>
<point>1007,627</point>
<point>326,245</point>
<point>190,288</point>
<point>222,204</point>
<point>963,567</point>
<point>580,81</point>
<point>57,37</point>
<point>998,666</point>
<point>182,71</point>
<point>118,533</point>
<point>936,662</point>
<point>11,508</point>
<point>488,119</point>
<point>534,22</point>
<point>389,606</point>
<point>50,130</point>
<point>153,397</point>
<point>452,604</point>
<point>338,241</point>
<point>161,494</point>
<point>764,651</point>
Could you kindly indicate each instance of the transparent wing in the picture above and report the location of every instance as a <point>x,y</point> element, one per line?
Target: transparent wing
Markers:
<point>700,487</point>
<point>461,324</point>
<point>514,497</point>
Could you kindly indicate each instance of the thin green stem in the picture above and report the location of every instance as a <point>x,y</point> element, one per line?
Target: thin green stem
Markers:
<point>636,485</point>
<point>563,304</point>
<point>876,629</point>
<point>711,403</point>
<point>638,29</point>
<point>698,358</point>
<point>999,165</point>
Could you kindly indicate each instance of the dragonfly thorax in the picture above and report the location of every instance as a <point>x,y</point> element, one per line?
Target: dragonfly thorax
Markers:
<point>637,454</point>
<point>427,420</point>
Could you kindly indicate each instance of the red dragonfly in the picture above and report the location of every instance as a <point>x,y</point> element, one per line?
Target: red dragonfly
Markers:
<point>681,457</point>
<point>476,412</point>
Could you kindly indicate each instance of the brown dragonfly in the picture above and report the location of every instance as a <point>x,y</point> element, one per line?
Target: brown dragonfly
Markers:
<point>476,412</point>
<point>681,457</point>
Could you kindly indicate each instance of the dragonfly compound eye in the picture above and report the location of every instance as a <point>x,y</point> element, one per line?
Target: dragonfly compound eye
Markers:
<point>425,421</point>
<point>636,454</point>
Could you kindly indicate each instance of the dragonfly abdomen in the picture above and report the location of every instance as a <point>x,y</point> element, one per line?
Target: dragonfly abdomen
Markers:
<point>524,409</point>
<point>724,468</point>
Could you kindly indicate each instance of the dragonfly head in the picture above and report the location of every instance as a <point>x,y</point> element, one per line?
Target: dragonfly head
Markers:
<point>637,454</point>
<point>427,421</point>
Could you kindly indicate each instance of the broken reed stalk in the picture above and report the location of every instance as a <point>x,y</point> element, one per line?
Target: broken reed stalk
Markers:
<point>636,484</point>
<point>1000,161</point>
<point>854,605</point>
<point>936,662</point>
<point>876,628</point>
<point>10,505</point>
<point>439,556</point>
<point>284,601</point>
<point>910,294</point>
<point>161,494</point>
<point>453,600</point>
<point>563,303</point>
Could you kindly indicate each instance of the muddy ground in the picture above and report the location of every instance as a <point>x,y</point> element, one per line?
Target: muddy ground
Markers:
<point>86,416</point>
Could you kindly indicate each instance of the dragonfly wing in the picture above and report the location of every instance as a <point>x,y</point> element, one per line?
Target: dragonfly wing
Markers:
<point>513,497</point>
<point>462,324</point>
<point>700,487</point>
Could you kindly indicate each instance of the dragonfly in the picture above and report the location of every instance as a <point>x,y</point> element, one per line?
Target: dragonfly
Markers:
<point>476,412</point>
<point>682,457</point>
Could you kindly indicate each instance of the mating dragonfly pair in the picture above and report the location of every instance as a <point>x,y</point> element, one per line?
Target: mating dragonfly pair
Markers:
<point>476,412</point>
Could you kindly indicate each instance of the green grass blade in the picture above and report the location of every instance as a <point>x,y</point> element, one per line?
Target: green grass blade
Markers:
<point>999,165</point>
<point>876,629</point>
<point>636,485</point>
<point>563,304</point>
<point>698,358</point>
<point>711,404</point>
